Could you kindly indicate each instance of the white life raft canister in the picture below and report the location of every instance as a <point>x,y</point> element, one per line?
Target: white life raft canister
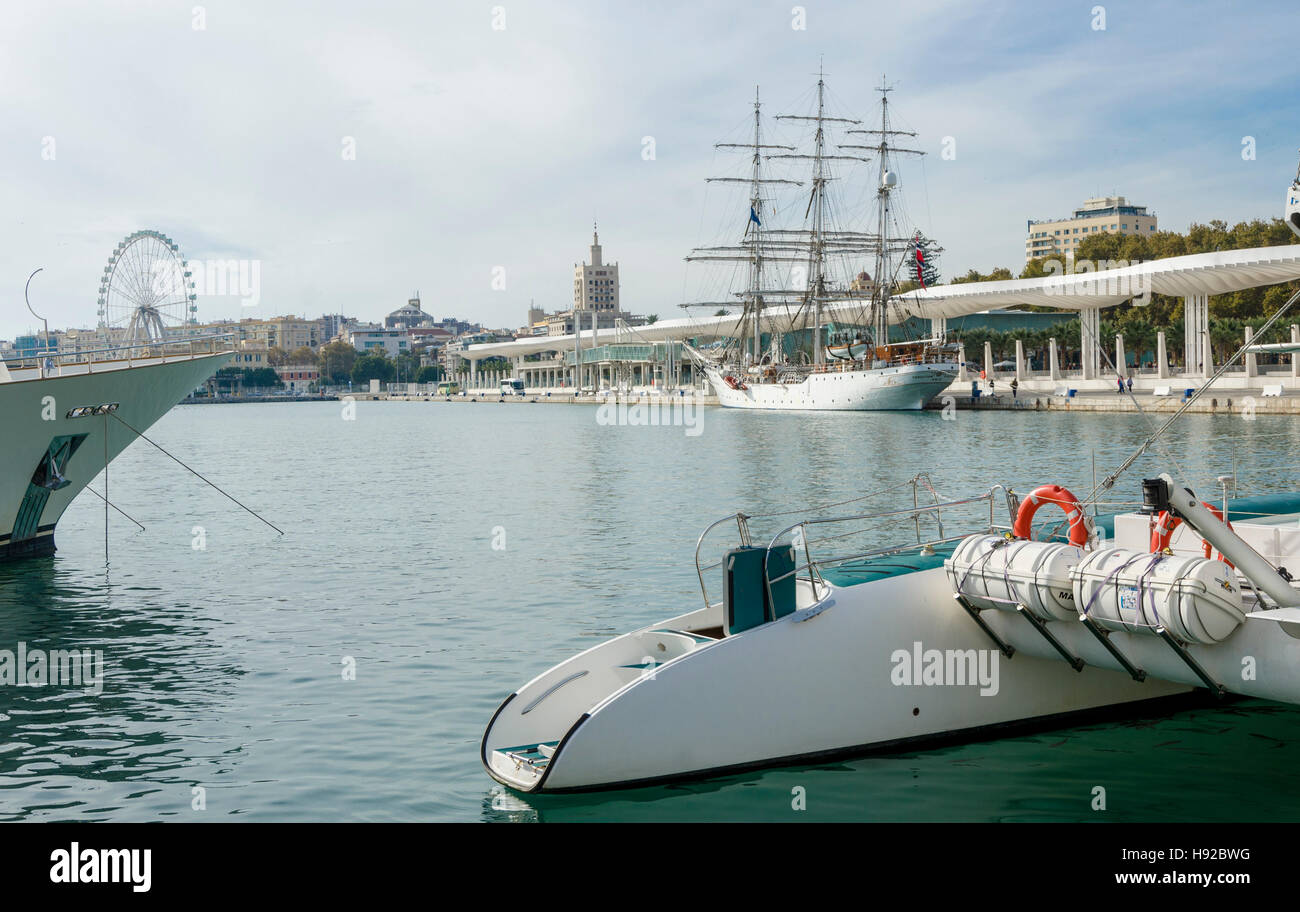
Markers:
<point>991,571</point>
<point>1195,599</point>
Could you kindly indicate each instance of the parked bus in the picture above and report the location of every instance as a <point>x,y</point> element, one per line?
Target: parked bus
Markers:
<point>448,389</point>
<point>512,387</point>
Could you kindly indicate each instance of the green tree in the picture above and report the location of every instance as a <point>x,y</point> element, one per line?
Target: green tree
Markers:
<point>304,355</point>
<point>237,379</point>
<point>406,366</point>
<point>336,362</point>
<point>373,366</point>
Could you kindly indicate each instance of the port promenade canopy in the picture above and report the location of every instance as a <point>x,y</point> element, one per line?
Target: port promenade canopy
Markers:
<point>1194,277</point>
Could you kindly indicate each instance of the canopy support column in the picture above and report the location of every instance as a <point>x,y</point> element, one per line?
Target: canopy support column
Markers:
<point>1196,329</point>
<point>1090,350</point>
<point>939,327</point>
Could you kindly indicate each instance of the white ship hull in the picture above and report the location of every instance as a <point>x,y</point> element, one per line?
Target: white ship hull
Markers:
<point>900,388</point>
<point>34,413</point>
<point>812,685</point>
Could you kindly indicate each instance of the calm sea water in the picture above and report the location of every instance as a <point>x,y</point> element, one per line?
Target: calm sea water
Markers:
<point>224,664</point>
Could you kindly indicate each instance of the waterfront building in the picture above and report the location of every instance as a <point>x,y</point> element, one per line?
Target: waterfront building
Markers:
<point>409,316</point>
<point>370,337</point>
<point>298,378</point>
<point>34,344</point>
<point>1108,214</point>
<point>863,284</point>
<point>286,332</point>
<point>334,326</point>
<point>251,354</point>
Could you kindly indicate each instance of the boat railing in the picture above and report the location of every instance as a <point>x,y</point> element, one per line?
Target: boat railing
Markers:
<point>742,528</point>
<point>800,537</point>
<point>928,530</point>
<point>54,363</point>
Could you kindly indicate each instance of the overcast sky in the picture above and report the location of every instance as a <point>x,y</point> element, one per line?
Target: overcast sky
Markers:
<point>479,147</point>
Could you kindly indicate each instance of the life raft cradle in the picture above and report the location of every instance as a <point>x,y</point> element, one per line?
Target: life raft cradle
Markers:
<point>1101,634</point>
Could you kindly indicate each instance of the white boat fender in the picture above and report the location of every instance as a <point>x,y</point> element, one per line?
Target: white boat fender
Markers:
<point>990,571</point>
<point>1194,599</point>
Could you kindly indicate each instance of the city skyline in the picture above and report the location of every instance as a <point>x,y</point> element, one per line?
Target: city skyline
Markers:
<point>480,155</point>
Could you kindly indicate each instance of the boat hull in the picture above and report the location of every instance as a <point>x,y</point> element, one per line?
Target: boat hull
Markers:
<point>35,415</point>
<point>822,681</point>
<point>903,388</point>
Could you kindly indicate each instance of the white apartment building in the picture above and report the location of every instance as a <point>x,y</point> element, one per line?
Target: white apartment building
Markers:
<point>375,338</point>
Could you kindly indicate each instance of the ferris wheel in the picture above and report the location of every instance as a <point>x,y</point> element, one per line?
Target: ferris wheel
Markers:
<point>146,289</point>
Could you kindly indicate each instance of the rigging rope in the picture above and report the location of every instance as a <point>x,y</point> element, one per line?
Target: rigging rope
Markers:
<point>114,506</point>
<point>1109,481</point>
<point>179,462</point>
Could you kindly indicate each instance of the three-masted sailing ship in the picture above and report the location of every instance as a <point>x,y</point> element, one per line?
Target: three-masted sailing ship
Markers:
<point>863,370</point>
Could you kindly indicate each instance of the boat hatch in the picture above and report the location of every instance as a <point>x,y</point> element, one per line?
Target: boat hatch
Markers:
<point>536,756</point>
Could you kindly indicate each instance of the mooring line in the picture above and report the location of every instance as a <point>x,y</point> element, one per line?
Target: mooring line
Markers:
<point>198,476</point>
<point>106,461</point>
<point>115,507</point>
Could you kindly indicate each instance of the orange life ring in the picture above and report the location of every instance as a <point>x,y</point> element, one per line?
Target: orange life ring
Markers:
<point>1079,531</point>
<point>1162,532</point>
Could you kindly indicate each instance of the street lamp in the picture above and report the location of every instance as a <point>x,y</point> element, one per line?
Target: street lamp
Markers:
<point>44,321</point>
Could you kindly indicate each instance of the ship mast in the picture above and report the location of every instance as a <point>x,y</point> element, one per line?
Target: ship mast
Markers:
<point>752,248</point>
<point>817,207</point>
<point>885,186</point>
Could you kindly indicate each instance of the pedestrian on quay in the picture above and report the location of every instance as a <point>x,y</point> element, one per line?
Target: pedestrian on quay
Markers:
<point>1015,388</point>
<point>1129,382</point>
<point>1120,382</point>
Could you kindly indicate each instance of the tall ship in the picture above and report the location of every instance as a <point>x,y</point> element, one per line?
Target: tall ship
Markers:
<point>67,415</point>
<point>861,368</point>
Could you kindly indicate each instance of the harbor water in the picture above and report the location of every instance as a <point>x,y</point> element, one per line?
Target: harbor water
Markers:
<point>437,556</point>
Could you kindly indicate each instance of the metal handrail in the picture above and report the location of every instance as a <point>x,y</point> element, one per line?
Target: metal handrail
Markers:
<point>917,511</point>
<point>156,343</point>
<point>742,527</point>
<point>814,573</point>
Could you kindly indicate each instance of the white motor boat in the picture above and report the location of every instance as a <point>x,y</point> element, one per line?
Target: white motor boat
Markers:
<point>795,657</point>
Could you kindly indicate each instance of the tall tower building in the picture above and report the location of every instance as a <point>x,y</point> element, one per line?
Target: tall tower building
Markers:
<point>595,285</point>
